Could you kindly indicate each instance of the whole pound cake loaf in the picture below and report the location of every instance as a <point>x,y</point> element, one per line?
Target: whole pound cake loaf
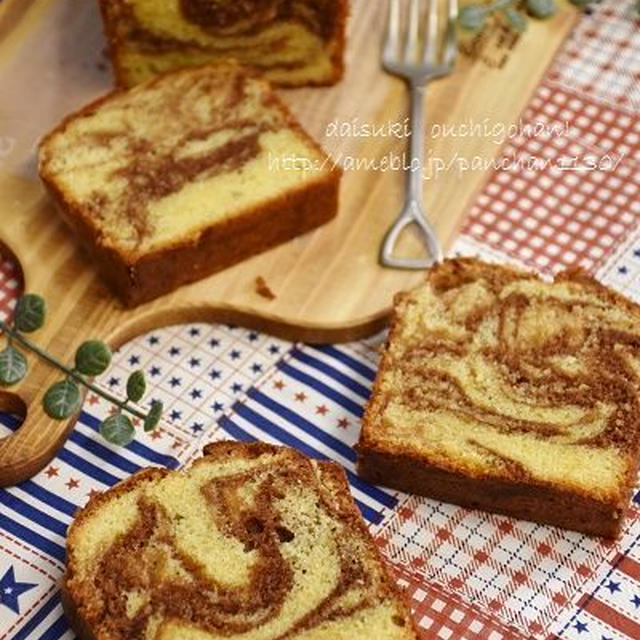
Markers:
<point>253,541</point>
<point>294,42</point>
<point>185,175</point>
<point>503,392</point>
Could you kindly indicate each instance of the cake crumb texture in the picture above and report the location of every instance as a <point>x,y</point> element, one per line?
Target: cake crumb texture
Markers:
<point>253,541</point>
<point>263,289</point>
<point>293,42</point>
<point>508,393</point>
<point>181,176</point>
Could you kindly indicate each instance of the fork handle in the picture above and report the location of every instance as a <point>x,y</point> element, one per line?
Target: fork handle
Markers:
<point>413,189</point>
<point>411,215</point>
<point>412,212</point>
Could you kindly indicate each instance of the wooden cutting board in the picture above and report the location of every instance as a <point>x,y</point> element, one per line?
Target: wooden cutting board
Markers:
<point>328,284</point>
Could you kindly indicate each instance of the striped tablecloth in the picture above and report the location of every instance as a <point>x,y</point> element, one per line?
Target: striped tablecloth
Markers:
<point>467,574</point>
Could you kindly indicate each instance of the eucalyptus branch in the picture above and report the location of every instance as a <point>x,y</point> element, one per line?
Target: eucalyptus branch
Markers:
<point>12,334</point>
<point>474,16</point>
<point>63,398</point>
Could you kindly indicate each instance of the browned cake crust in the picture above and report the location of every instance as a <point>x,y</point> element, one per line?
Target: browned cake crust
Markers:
<point>509,489</point>
<point>138,279</point>
<point>407,471</point>
<point>119,23</point>
<point>81,603</point>
<point>68,596</point>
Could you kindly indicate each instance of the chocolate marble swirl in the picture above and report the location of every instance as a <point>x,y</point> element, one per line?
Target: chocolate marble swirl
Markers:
<point>221,17</point>
<point>173,134</point>
<point>225,18</point>
<point>495,370</point>
<point>252,511</point>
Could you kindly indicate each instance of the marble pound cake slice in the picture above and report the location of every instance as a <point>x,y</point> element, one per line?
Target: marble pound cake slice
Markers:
<point>253,541</point>
<point>293,42</point>
<point>503,392</point>
<point>185,175</point>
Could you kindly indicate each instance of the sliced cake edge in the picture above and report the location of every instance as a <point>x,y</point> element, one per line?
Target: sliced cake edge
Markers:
<point>402,466</point>
<point>332,484</point>
<point>136,279</point>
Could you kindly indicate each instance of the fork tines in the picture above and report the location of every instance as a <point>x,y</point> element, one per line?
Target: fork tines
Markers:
<point>429,40</point>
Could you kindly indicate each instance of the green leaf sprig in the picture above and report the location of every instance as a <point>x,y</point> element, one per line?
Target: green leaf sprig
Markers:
<point>63,399</point>
<point>474,17</point>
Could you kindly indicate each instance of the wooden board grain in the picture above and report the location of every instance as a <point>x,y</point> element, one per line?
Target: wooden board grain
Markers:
<point>328,284</point>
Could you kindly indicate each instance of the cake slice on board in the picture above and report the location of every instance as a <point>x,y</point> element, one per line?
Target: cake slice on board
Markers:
<point>293,42</point>
<point>503,392</point>
<point>185,175</point>
<point>253,541</point>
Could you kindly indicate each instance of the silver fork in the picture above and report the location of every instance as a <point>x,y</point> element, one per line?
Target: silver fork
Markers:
<point>418,62</point>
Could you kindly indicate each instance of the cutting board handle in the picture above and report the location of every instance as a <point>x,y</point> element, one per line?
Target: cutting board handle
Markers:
<point>36,441</point>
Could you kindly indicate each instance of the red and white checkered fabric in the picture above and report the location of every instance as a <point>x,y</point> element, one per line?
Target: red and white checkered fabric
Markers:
<point>563,213</point>
<point>438,614</point>
<point>602,57</point>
